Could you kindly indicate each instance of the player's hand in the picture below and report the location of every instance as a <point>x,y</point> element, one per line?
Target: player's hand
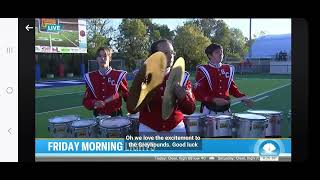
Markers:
<point>220,101</point>
<point>248,102</point>
<point>180,92</point>
<point>99,104</point>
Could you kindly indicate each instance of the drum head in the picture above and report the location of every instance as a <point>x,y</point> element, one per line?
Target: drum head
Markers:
<point>194,116</point>
<point>63,119</point>
<point>266,112</point>
<point>250,116</point>
<point>220,116</point>
<point>115,123</point>
<point>134,116</point>
<point>83,123</point>
<point>103,117</point>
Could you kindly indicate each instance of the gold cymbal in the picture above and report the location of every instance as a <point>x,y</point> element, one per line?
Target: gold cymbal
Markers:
<point>175,77</point>
<point>149,77</point>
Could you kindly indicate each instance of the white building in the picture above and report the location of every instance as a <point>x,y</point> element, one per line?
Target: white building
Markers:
<point>264,53</point>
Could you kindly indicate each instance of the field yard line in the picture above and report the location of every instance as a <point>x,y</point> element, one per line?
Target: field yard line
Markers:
<point>264,93</point>
<point>259,99</point>
<point>261,93</point>
<point>60,94</point>
<point>58,110</point>
<point>69,40</point>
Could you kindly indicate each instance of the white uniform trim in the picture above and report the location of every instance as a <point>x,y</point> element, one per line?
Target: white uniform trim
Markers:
<point>123,73</point>
<point>215,65</point>
<point>206,73</point>
<point>107,72</point>
<point>185,79</point>
<point>232,70</point>
<point>87,79</point>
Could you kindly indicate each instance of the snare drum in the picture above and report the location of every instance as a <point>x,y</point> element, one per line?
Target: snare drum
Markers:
<point>84,128</point>
<point>193,124</point>
<point>134,118</point>
<point>250,125</point>
<point>115,127</point>
<point>274,120</point>
<point>218,126</point>
<point>59,126</point>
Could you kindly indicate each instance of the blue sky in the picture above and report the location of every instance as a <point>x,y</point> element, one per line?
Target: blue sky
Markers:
<point>270,26</point>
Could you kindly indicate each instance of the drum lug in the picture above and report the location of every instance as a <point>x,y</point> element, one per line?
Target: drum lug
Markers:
<point>49,128</point>
<point>267,124</point>
<point>217,125</point>
<point>250,126</point>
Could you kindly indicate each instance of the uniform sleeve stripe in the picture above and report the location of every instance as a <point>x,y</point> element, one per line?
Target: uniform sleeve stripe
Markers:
<point>108,71</point>
<point>186,77</point>
<point>206,73</point>
<point>87,79</point>
<point>231,75</point>
<point>120,79</point>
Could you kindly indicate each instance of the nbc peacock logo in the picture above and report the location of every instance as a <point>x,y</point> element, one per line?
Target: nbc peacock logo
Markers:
<point>269,148</point>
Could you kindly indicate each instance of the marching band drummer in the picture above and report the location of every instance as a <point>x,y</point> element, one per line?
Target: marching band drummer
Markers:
<point>105,87</point>
<point>214,82</point>
<point>151,122</point>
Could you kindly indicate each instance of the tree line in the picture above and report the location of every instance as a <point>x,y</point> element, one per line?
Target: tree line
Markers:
<point>134,37</point>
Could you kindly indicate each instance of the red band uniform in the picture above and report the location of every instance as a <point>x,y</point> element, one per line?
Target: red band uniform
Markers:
<point>150,116</point>
<point>215,81</point>
<point>101,85</point>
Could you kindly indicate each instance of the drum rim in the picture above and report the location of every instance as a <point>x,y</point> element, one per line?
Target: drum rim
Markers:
<point>235,115</point>
<point>63,122</point>
<point>69,122</point>
<point>198,117</point>
<point>263,113</point>
<point>217,116</point>
<point>126,126</point>
<point>133,116</point>
<point>60,122</point>
<point>93,124</point>
<point>103,117</point>
<point>252,120</point>
<point>123,126</point>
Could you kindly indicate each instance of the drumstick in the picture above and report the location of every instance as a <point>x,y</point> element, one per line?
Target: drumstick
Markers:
<point>112,96</point>
<point>240,99</point>
<point>108,99</point>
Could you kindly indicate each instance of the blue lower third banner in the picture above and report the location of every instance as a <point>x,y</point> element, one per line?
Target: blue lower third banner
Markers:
<point>161,145</point>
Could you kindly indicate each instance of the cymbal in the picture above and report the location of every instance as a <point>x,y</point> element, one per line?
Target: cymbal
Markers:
<point>175,77</point>
<point>149,77</point>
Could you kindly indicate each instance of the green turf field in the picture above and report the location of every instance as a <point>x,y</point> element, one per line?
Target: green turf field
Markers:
<point>270,92</point>
<point>63,39</point>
